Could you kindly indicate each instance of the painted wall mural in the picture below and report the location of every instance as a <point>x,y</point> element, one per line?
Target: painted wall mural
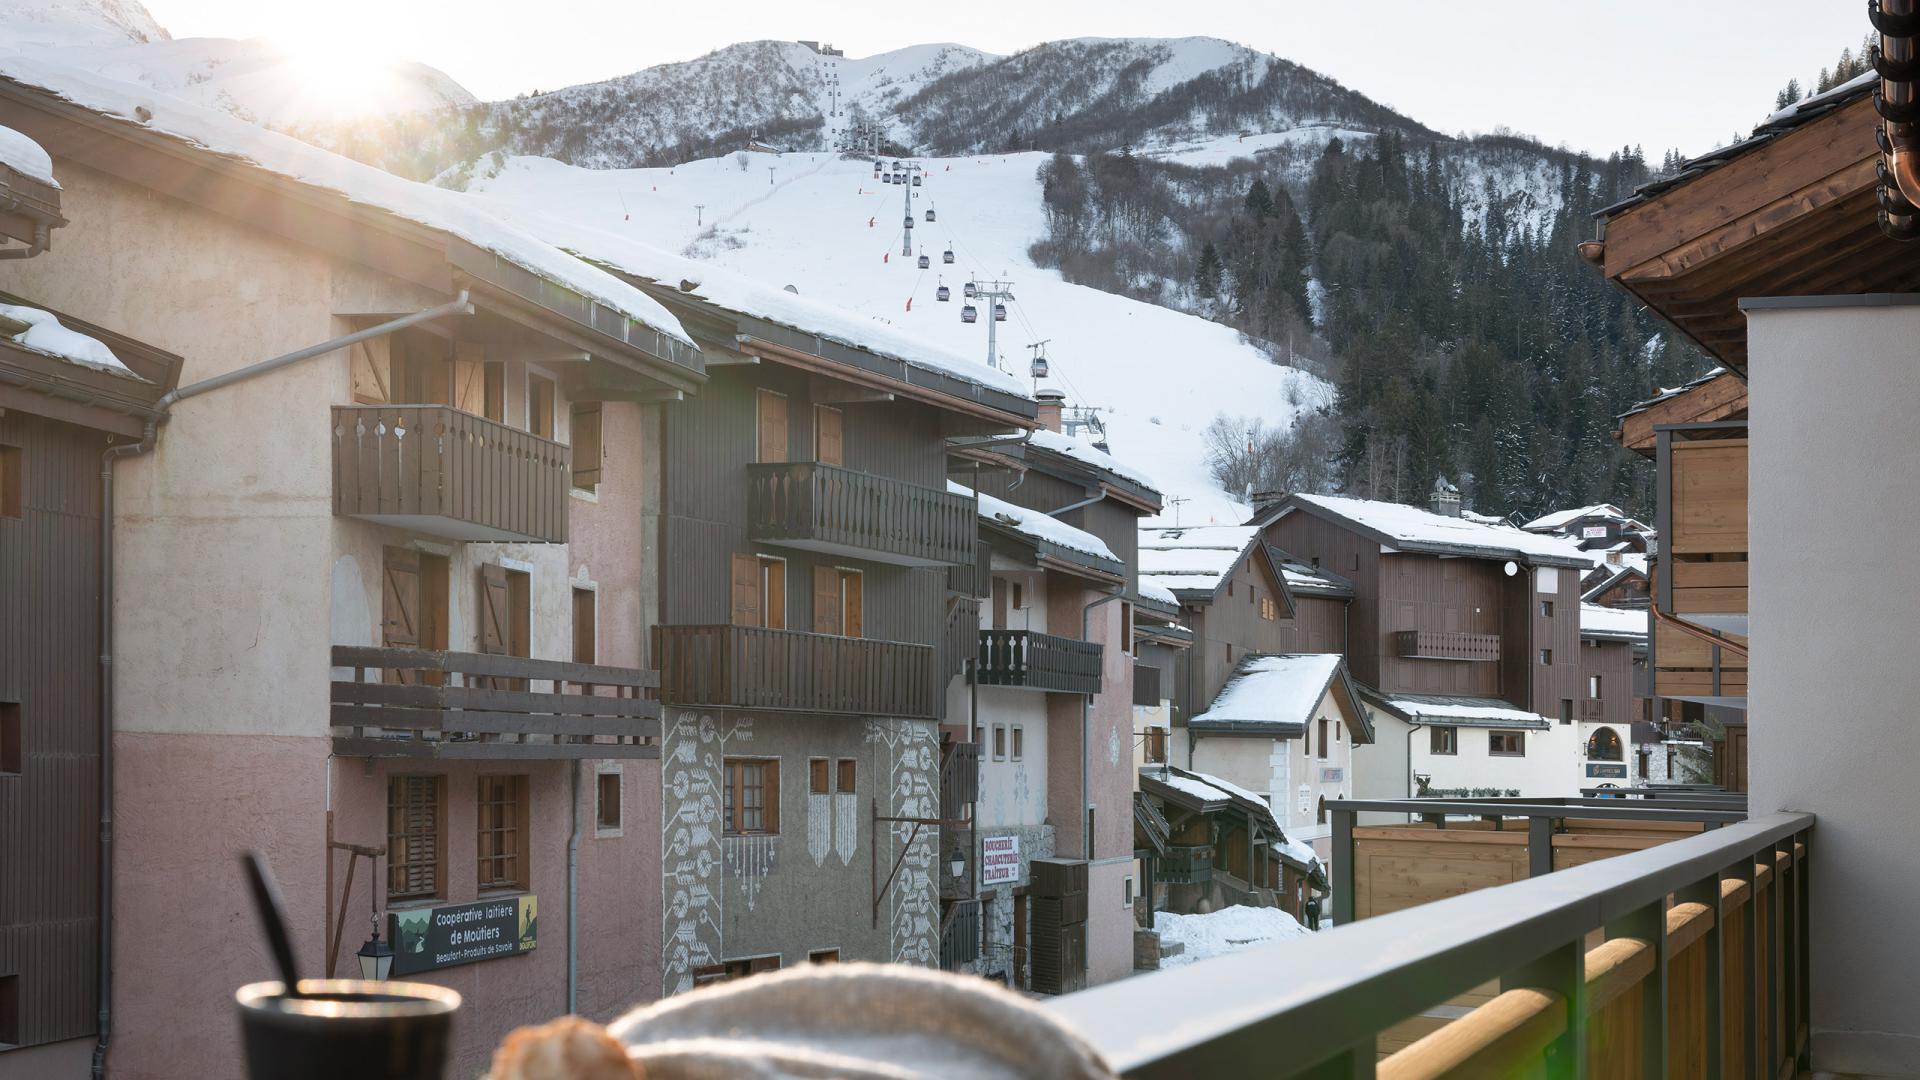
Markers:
<point>846,825</point>
<point>909,789</point>
<point>693,858</point>
<point>749,859</point>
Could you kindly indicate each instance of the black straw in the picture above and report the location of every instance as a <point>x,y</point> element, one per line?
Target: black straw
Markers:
<point>273,917</point>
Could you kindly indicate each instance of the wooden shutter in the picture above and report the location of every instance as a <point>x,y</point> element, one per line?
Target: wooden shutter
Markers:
<point>584,645</point>
<point>432,367</point>
<point>746,591</point>
<point>817,776</point>
<point>846,776</point>
<point>415,816</point>
<point>494,395</point>
<point>827,445</point>
<point>469,377</point>
<point>774,593</point>
<point>773,426</point>
<point>372,365</point>
<point>399,604</point>
<point>540,406</point>
<point>999,603</point>
<point>826,600</point>
<point>770,817</point>
<point>586,446</point>
<point>851,587</point>
<point>494,606</point>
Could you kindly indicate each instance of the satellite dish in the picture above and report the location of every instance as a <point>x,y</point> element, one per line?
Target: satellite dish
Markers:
<point>1511,568</point>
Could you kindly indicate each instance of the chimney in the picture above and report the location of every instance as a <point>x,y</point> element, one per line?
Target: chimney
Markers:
<point>1050,403</point>
<point>1264,500</point>
<point>1445,499</point>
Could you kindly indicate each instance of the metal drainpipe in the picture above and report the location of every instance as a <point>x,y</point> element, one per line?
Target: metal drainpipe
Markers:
<point>1897,99</point>
<point>1070,507</point>
<point>149,437</point>
<point>42,239</point>
<point>1086,722</point>
<point>573,893</point>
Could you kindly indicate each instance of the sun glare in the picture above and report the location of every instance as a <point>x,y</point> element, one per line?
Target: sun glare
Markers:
<point>336,74</point>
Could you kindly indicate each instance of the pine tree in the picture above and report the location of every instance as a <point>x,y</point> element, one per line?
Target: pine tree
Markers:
<point>1206,276</point>
<point>1259,201</point>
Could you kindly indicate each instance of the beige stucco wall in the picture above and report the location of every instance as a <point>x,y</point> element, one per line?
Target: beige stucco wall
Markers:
<point>1833,512</point>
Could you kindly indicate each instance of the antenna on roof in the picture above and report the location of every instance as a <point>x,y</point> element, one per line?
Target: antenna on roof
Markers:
<point>1175,501</point>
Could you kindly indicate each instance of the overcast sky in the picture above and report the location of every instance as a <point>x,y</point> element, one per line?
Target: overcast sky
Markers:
<point>1592,74</point>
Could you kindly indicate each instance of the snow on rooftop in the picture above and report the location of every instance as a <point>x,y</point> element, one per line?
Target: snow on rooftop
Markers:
<point>1864,78</point>
<point>1152,591</point>
<point>1608,620</point>
<point>1202,937</point>
<point>1272,690</point>
<point>26,157</point>
<point>1088,454</point>
<point>1192,786</point>
<point>1192,558</point>
<point>1412,525</point>
<point>45,334</point>
<point>451,212</point>
<point>1430,711</point>
<point>1562,518</point>
<point>1299,852</point>
<point>1037,525</point>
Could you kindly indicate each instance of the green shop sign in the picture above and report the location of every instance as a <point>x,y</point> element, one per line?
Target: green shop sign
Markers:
<point>429,938</point>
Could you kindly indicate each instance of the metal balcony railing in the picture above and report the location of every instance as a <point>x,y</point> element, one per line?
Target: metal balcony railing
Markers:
<point>437,470</point>
<point>1036,661</point>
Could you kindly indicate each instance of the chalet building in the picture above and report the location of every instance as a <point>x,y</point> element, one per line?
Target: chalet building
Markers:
<point>1160,643</point>
<point>1285,727</point>
<point>1467,631</point>
<point>70,394</point>
<point>1613,650</point>
<point>1619,580</point>
<point>1602,527</point>
<point>1218,844</point>
<point>378,601</point>
<point>1053,698</point>
<point>1774,255</point>
<point>1696,435</point>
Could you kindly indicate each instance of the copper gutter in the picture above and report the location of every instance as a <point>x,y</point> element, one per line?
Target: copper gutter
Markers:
<point>1897,60</point>
<point>1690,629</point>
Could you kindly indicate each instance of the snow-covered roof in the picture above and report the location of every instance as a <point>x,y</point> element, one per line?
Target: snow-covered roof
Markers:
<point>1187,939</point>
<point>1192,558</point>
<point>1090,455</point>
<point>1665,393</point>
<point>26,157</point>
<point>1560,519</point>
<point>450,212</point>
<point>1280,691</point>
<point>1598,621</point>
<point>1414,529</point>
<point>1467,711</point>
<point>1037,525</point>
<point>1306,577</point>
<point>44,334</point>
<point>1154,591</point>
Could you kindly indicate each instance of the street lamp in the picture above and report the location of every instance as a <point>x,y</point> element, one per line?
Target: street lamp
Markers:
<point>958,864</point>
<point>376,956</point>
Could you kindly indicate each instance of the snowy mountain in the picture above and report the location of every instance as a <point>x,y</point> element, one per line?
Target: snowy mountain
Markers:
<point>1154,377</point>
<point>255,79</point>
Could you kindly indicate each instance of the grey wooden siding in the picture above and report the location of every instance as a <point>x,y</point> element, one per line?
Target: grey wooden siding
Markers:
<point>49,666</point>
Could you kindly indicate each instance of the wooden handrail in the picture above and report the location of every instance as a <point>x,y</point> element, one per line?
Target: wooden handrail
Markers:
<point>1496,1039</point>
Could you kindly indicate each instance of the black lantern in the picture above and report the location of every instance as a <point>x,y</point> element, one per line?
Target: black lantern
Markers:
<point>376,956</point>
<point>958,863</point>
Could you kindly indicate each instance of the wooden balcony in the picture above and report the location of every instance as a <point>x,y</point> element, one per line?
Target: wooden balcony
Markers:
<point>751,667</point>
<point>1036,661</point>
<point>1186,864</point>
<point>818,507</point>
<point>1444,645</point>
<point>1688,957</point>
<point>1702,480</point>
<point>437,470</point>
<point>421,703</point>
<point>1593,711</point>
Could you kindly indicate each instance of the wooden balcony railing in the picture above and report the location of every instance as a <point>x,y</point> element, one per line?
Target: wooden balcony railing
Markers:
<point>1036,661</point>
<point>1703,971</point>
<point>426,703</point>
<point>961,640</point>
<point>750,667</point>
<point>435,469</point>
<point>1444,645</point>
<point>827,508</point>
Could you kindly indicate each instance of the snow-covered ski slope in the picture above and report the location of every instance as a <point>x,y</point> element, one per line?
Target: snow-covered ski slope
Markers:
<point>823,225</point>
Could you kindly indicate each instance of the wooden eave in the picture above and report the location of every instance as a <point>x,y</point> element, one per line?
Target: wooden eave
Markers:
<point>34,382</point>
<point>899,385</point>
<point>35,205</point>
<point>1723,397</point>
<point>1796,215</point>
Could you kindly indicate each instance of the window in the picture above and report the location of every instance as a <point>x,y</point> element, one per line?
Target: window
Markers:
<point>1356,560</point>
<point>824,956</point>
<point>1126,892</point>
<point>729,970</point>
<point>817,770</point>
<point>540,406</point>
<point>1019,596</point>
<point>12,483</point>
<point>770,444</point>
<point>10,752</point>
<point>1156,746</point>
<point>1306,739</point>
<point>1019,742</point>
<point>416,836</point>
<point>760,591</point>
<point>1546,609</point>
<point>845,780</point>
<point>999,743</point>
<point>1269,610</point>
<point>1126,628</point>
<point>506,616</point>
<point>585,648</point>
<point>1323,737</point>
<point>1320,812</point>
<point>1444,741</point>
<point>9,1010</point>
<point>1507,743</point>
<point>1566,710</point>
<point>413,605</point>
<point>750,797</point>
<point>588,451</point>
<point>1546,657</point>
<point>1593,687</point>
<point>829,447</point>
<point>502,832</point>
<point>493,395</point>
<point>838,607</point>
<point>606,803</point>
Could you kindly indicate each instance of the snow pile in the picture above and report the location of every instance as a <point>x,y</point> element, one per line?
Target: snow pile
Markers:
<point>45,334</point>
<point>1037,525</point>
<point>1613,621</point>
<point>1414,526</point>
<point>24,156</point>
<point>447,211</point>
<point>1202,937</point>
<point>1273,690</point>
